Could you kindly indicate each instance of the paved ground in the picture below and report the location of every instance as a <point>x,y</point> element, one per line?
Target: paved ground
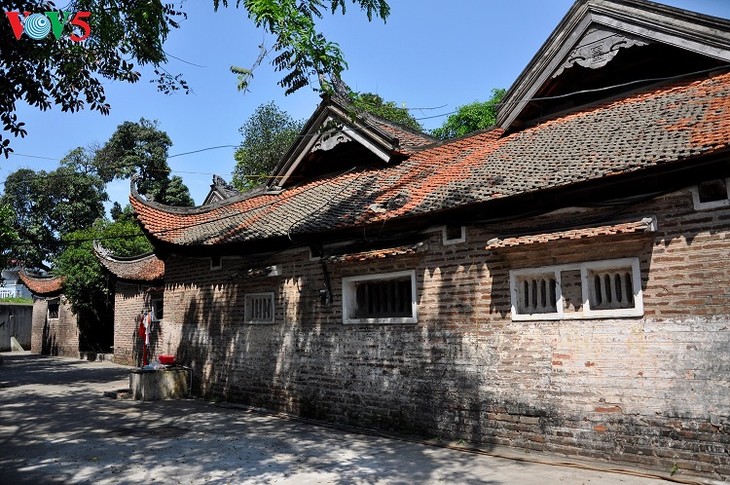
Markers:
<point>56,427</point>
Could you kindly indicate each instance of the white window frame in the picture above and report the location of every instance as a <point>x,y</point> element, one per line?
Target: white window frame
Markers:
<point>247,300</point>
<point>585,269</point>
<point>349,285</point>
<point>519,275</point>
<point>587,287</point>
<point>448,242</point>
<point>698,205</point>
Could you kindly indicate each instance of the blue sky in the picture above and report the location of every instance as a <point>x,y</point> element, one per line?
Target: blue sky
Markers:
<point>431,56</point>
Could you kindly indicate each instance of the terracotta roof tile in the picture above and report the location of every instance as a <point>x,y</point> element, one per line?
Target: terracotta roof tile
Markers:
<point>42,286</point>
<point>141,268</point>
<point>660,125</point>
<point>646,224</point>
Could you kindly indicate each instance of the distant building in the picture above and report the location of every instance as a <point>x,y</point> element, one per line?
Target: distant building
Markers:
<point>11,286</point>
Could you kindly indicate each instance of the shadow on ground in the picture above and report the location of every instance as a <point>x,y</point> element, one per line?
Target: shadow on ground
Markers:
<point>56,427</point>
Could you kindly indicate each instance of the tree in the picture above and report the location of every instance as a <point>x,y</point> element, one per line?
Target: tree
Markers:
<point>267,135</point>
<point>47,205</point>
<point>388,110</point>
<point>8,234</point>
<point>142,148</point>
<point>86,285</point>
<point>471,117</point>
<point>71,74</point>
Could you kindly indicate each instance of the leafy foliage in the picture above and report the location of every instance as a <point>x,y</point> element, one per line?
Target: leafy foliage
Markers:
<point>86,285</point>
<point>388,110</point>
<point>471,117</point>
<point>267,135</point>
<point>71,74</point>
<point>304,52</point>
<point>125,35</point>
<point>8,234</point>
<point>47,205</point>
<point>142,148</point>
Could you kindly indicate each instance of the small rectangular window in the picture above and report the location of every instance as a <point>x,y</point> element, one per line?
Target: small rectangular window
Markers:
<point>259,308</point>
<point>453,234</point>
<point>383,298</point>
<point>711,193</point>
<point>536,292</point>
<point>157,308</point>
<point>53,307</point>
<point>216,262</point>
<point>594,289</point>
<point>612,288</point>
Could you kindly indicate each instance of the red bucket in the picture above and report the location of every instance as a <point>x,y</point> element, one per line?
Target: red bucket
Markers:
<point>166,359</point>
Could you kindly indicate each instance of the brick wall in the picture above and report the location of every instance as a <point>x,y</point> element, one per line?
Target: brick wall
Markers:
<point>651,390</point>
<point>130,301</point>
<point>54,336</point>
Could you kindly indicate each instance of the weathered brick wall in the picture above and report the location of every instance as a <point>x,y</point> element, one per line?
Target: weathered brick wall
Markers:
<point>130,301</point>
<point>54,336</point>
<point>652,390</point>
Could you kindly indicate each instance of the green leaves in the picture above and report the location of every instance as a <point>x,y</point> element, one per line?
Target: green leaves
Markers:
<point>388,110</point>
<point>142,148</point>
<point>303,51</point>
<point>71,74</point>
<point>46,205</point>
<point>267,135</point>
<point>471,117</point>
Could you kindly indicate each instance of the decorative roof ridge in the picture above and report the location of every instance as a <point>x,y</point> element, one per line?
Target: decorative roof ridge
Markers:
<point>199,209</point>
<point>104,253</point>
<point>647,19</point>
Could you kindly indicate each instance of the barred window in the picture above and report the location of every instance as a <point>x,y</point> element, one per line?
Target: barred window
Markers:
<point>537,294</point>
<point>607,289</point>
<point>612,289</point>
<point>384,298</point>
<point>259,308</point>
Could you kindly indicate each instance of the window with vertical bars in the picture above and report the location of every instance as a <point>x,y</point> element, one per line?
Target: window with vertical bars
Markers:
<point>537,294</point>
<point>259,308</point>
<point>383,298</point>
<point>607,288</point>
<point>610,289</point>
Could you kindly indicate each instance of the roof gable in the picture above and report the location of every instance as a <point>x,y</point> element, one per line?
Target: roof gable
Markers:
<point>603,47</point>
<point>336,134</point>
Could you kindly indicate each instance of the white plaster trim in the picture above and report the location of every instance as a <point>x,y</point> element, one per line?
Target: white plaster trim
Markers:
<point>586,312</point>
<point>348,298</point>
<point>633,263</point>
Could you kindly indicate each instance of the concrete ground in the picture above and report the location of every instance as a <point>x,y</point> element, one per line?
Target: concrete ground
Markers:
<point>57,427</point>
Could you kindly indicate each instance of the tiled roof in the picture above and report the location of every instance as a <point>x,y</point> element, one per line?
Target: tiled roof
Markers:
<point>650,128</point>
<point>42,286</point>
<point>377,253</point>
<point>646,224</point>
<point>146,267</point>
<point>409,140</point>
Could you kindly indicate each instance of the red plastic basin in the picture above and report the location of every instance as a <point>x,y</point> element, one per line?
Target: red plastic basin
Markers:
<point>166,359</point>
